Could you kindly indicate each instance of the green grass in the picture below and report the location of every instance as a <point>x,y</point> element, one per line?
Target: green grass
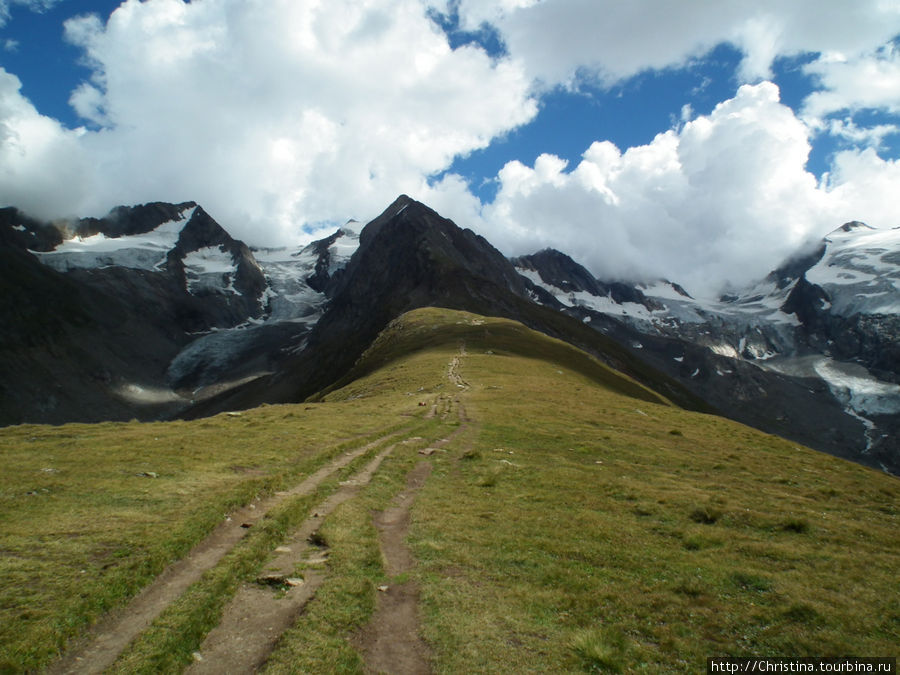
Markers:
<point>579,524</point>
<point>91,513</point>
<point>169,642</point>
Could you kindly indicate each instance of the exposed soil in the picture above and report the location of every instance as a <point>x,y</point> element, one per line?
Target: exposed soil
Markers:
<point>101,647</point>
<point>391,643</point>
<point>258,614</point>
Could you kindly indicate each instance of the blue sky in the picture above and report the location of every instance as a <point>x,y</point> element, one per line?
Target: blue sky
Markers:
<point>699,140</point>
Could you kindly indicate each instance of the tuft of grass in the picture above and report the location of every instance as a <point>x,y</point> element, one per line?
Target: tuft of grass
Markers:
<point>706,515</point>
<point>798,525</point>
<point>601,650</point>
<point>750,582</point>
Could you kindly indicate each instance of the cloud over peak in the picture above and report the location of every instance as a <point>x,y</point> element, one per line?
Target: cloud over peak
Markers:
<point>279,110</point>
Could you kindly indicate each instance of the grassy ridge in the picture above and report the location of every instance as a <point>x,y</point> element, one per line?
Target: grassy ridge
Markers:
<point>580,522</point>
<point>578,529</point>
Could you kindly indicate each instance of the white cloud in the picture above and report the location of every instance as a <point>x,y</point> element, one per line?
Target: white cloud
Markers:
<point>560,40</point>
<point>43,169</point>
<point>275,114</point>
<point>724,198</point>
<point>870,80</point>
<point>278,114</point>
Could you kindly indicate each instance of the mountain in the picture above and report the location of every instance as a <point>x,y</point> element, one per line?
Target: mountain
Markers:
<point>410,257</point>
<point>810,352</point>
<point>155,310</point>
<point>141,312</point>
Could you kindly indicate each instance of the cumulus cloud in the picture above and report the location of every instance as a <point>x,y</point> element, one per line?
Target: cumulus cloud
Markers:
<point>43,168</point>
<point>279,113</point>
<point>724,198</point>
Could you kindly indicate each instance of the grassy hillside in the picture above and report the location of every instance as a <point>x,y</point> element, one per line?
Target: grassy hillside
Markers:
<point>573,520</point>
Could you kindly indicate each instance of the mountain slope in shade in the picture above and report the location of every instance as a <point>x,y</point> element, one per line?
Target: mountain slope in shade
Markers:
<point>138,313</point>
<point>811,352</point>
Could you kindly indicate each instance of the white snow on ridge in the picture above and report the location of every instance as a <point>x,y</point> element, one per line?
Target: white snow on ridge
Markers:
<point>210,269</point>
<point>858,388</point>
<point>603,304</point>
<point>662,290</point>
<point>342,249</point>
<point>861,271</point>
<point>140,251</point>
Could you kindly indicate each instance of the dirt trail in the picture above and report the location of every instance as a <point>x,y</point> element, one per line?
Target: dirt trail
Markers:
<point>258,614</point>
<point>443,403</point>
<point>391,643</point>
<point>102,646</point>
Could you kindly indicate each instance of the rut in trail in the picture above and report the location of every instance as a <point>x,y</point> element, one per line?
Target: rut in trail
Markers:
<point>257,616</point>
<point>99,650</point>
<point>391,643</point>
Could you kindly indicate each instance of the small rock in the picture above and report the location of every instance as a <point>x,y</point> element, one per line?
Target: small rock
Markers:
<point>383,589</point>
<point>233,414</point>
<point>197,656</point>
<point>427,451</point>
<point>147,474</point>
<point>283,549</point>
<point>294,581</point>
<point>246,525</point>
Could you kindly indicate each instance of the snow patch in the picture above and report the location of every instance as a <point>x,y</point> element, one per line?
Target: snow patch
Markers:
<point>857,388</point>
<point>725,350</point>
<point>210,269</point>
<point>142,395</point>
<point>139,251</point>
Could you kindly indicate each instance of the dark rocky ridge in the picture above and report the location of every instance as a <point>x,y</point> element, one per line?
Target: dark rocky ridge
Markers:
<point>411,257</point>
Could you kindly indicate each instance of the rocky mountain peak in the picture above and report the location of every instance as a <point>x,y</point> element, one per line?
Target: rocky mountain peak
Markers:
<point>852,226</point>
<point>124,221</point>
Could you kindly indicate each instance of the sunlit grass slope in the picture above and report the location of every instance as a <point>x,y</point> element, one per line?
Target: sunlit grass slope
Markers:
<point>575,520</point>
<point>90,513</point>
<point>576,527</point>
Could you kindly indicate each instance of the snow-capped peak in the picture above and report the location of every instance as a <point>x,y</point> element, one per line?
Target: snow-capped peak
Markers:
<point>147,250</point>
